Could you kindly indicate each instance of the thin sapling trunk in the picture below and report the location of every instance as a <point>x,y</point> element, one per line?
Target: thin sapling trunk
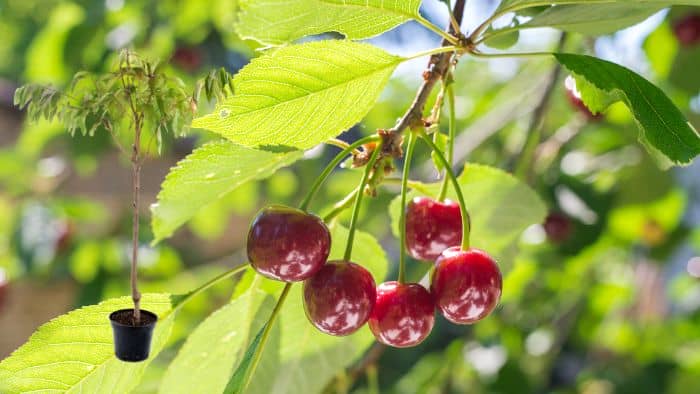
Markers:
<point>136,184</point>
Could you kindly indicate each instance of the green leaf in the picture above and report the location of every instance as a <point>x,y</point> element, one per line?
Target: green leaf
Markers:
<point>74,353</point>
<point>306,359</point>
<point>215,348</point>
<point>512,5</point>
<point>501,207</point>
<point>275,22</point>
<point>663,128</point>
<point>504,40</point>
<point>593,20</point>
<point>235,385</point>
<point>208,174</point>
<point>301,95</point>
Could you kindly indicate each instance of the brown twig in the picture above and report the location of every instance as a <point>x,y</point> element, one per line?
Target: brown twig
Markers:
<point>438,65</point>
<point>136,184</point>
<point>370,358</point>
<point>136,188</point>
<point>534,131</point>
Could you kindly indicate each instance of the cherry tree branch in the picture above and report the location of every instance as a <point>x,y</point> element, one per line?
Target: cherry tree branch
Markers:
<point>438,66</point>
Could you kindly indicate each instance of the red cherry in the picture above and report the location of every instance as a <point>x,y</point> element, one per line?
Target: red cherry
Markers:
<point>4,284</point>
<point>558,227</point>
<point>339,297</point>
<point>188,58</point>
<point>403,314</point>
<point>287,244</point>
<point>431,227</point>
<point>574,97</point>
<point>466,285</point>
<point>65,236</point>
<point>687,30</point>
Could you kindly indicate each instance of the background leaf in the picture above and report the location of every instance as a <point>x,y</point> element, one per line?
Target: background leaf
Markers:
<point>518,4</point>
<point>208,174</point>
<point>501,207</point>
<point>301,95</point>
<point>663,127</point>
<point>75,353</point>
<point>276,22</point>
<point>306,359</point>
<point>214,349</point>
<point>593,20</point>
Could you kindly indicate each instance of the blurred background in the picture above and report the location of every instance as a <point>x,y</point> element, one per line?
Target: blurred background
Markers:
<point>602,298</point>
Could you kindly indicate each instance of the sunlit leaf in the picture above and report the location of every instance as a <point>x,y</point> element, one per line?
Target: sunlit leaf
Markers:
<point>215,348</point>
<point>301,95</point>
<point>276,22</point>
<point>74,353</point>
<point>208,174</point>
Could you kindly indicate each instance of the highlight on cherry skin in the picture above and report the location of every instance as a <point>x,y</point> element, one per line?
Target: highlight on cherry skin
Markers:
<point>287,244</point>
<point>431,227</point>
<point>339,298</point>
<point>466,285</point>
<point>403,315</point>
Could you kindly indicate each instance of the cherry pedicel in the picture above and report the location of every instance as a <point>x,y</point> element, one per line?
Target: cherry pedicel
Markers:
<point>287,244</point>
<point>431,227</point>
<point>687,30</point>
<point>466,285</point>
<point>338,299</point>
<point>403,314</point>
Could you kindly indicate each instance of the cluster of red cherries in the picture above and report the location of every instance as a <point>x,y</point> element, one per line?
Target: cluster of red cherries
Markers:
<point>291,245</point>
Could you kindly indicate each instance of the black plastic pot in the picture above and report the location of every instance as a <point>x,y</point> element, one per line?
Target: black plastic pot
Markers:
<point>132,342</point>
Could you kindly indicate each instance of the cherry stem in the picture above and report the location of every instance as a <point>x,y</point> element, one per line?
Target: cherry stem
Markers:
<point>451,139</point>
<point>264,336</point>
<point>466,221</point>
<point>445,35</point>
<point>340,206</point>
<point>330,167</point>
<point>404,191</point>
<point>358,201</point>
<point>184,298</point>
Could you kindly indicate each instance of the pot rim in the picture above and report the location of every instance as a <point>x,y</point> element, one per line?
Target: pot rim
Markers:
<point>111,318</point>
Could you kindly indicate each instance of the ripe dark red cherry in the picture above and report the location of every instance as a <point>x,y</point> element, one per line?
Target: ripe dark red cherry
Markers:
<point>558,227</point>
<point>339,297</point>
<point>188,58</point>
<point>466,285</point>
<point>431,227</point>
<point>687,30</point>
<point>574,97</point>
<point>403,314</point>
<point>287,244</point>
